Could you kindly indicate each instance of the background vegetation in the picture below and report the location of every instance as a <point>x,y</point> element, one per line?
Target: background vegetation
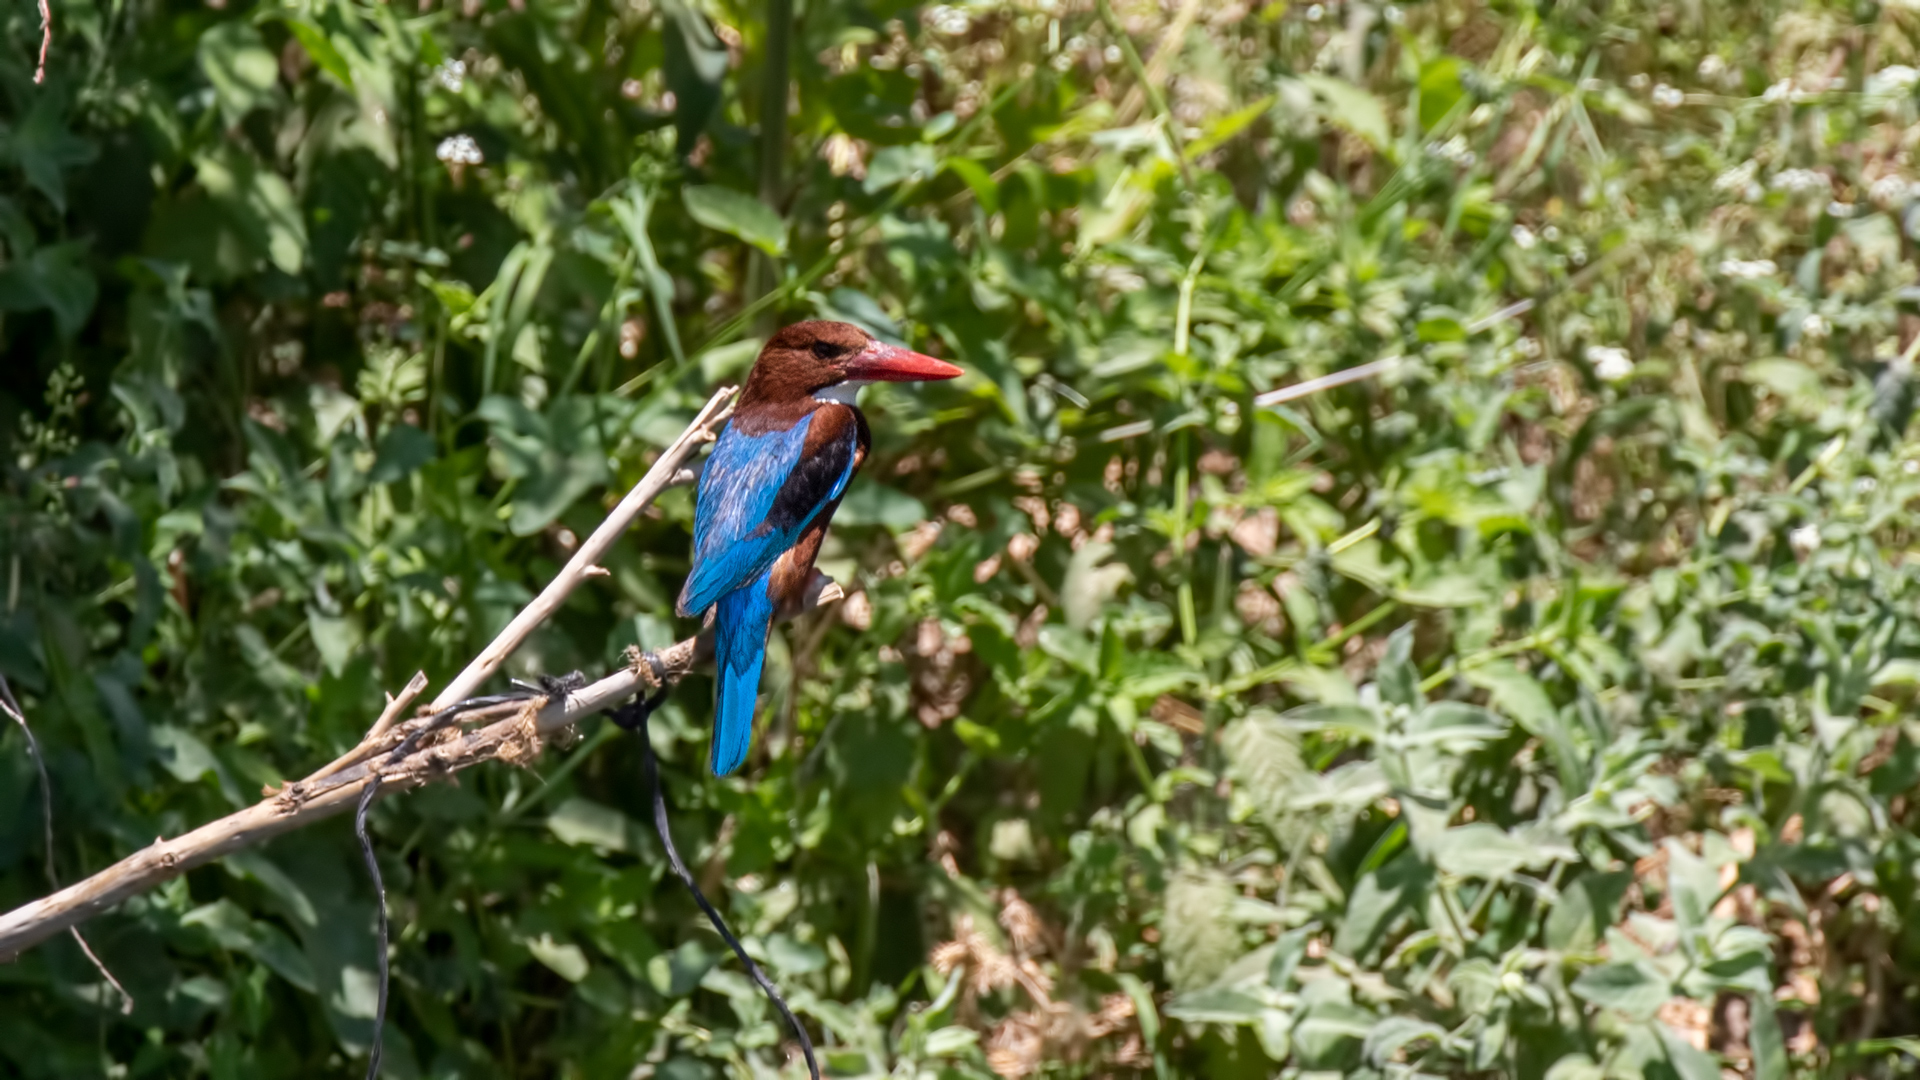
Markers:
<point>1542,709</point>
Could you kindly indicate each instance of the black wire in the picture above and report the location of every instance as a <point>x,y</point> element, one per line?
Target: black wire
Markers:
<point>634,718</point>
<point>434,723</point>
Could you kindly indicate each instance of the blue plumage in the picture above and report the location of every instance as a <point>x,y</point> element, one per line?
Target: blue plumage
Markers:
<point>758,493</point>
<point>740,644</point>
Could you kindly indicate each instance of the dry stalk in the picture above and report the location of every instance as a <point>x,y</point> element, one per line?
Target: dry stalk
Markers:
<point>508,731</point>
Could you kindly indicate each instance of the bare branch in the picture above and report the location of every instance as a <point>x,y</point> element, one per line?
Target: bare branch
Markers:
<point>39,77</point>
<point>658,479</point>
<point>513,732</point>
<point>19,715</point>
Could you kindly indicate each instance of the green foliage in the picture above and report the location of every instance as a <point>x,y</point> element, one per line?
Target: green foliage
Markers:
<point>1538,709</point>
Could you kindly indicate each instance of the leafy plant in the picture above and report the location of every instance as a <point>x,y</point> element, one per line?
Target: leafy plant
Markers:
<point>1538,708</point>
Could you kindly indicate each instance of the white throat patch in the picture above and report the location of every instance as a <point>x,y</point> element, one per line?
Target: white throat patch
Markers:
<point>842,393</point>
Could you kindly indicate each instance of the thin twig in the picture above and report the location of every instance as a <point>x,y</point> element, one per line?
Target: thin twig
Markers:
<point>19,715</point>
<point>302,803</point>
<point>395,706</point>
<point>1326,382</point>
<point>659,478</point>
<point>1169,47</point>
<point>39,77</point>
<point>1381,366</point>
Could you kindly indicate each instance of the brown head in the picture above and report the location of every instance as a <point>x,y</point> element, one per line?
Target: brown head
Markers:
<point>832,359</point>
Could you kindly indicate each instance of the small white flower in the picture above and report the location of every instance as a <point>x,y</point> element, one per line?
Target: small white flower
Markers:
<point>1815,326</point>
<point>1454,152</point>
<point>1891,191</point>
<point>1737,178</point>
<point>1910,467</point>
<point>1551,234</point>
<point>1802,182</point>
<point>1112,54</point>
<point>1528,347</point>
<point>1316,13</point>
<point>451,75</point>
<point>1668,97</point>
<point>1748,269</point>
<point>1523,237</point>
<point>1839,209</point>
<point>1804,540</point>
<point>1893,79</point>
<point>1865,485</point>
<point>1779,91</point>
<point>1610,363</point>
<point>1637,81</point>
<point>950,21</point>
<point>459,150</point>
<point>1712,66</point>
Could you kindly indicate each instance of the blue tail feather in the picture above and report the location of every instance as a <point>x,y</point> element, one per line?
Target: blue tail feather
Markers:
<point>741,621</point>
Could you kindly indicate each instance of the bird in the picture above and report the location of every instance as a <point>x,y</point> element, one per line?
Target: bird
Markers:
<point>775,476</point>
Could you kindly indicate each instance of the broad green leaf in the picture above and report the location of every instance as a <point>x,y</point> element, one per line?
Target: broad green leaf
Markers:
<point>871,502</point>
<point>1632,988</point>
<point>1352,107</point>
<point>582,821</point>
<point>243,72</point>
<point>737,215</point>
<point>321,48</point>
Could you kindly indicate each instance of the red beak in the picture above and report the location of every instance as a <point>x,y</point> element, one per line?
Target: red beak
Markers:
<point>879,362</point>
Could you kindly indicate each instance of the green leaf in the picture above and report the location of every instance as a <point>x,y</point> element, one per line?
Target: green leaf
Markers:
<point>1216,1005</point>
<point>1440,89</point>
<point>977,179</point>
<point>54,278</point>
<point>556,456</point>
<point>874,503</point>
<point>1395,1033</point>
<point>259,204</point>
<point>1353,108</point>
<point>1633,988</point>
<point>1688,1061</point>
<point>44,148</point>
<point>1585,909</point>
<point>951,1041</point>
<point>563,958</point>
<point>403,449</point>
<point>738,215</point>
<point>1482,850</point>
<point>895,164</point>
<point>1380,898</point>
<point>585,822</point>
<point>244,74</point>
<point>1765,1039</point>
<point>321,48</point>
<point>695,66</point>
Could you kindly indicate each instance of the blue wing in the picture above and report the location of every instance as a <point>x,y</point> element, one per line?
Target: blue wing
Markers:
<point>757,494</point>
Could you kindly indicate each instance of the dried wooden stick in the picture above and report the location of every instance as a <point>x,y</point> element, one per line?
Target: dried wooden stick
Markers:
<point>662,476</point>
<point>515,738</point>
<point>515,734</point>
<point>395,706</point>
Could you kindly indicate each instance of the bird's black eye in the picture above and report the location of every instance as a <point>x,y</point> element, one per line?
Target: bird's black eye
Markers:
<point>823,350</point>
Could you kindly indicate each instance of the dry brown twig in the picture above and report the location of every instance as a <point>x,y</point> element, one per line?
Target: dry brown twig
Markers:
<point>46,42</point>
<point>513,732</point>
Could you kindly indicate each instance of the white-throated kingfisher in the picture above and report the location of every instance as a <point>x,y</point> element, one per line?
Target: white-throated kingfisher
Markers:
<point>769,488</point>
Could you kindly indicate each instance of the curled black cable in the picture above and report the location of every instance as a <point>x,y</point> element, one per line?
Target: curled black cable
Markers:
<point>633,717</point>
<point>407,745</point>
